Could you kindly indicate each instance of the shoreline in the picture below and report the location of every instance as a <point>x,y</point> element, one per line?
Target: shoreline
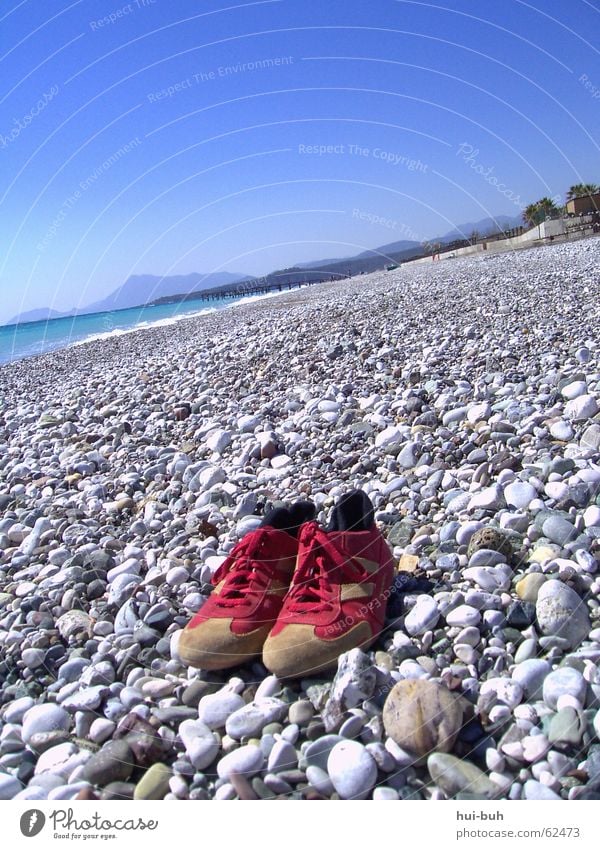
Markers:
<point>142,325</point>
<point>70,354</point>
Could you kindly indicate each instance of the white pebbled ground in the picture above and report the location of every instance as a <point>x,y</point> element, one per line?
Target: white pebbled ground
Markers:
<point>459,395</point>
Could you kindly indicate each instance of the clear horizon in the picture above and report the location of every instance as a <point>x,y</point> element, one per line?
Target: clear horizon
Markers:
<point>145,137</point>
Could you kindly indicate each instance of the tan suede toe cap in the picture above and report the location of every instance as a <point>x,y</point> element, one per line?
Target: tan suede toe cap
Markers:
<point>296,651</point>
<point>212,645</point>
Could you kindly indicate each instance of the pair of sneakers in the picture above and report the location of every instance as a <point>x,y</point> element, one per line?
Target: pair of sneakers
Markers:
<point>297,593</point>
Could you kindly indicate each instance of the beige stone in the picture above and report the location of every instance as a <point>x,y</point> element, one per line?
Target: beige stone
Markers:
<point>543,553</point>
<point>74,622</point>
<point>529,586</point>
<point>422,717</point>
<point>408,563</point>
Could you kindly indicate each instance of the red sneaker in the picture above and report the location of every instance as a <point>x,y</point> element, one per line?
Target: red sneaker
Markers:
<point>336,601</point>
<point>250,586</point>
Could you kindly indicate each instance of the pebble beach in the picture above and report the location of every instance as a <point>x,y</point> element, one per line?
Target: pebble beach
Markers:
<point>462,396</point>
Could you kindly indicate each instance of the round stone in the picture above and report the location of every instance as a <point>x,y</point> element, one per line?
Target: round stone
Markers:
<point>200,743</point>
<point>463,615</point>
<point>465,531</point>
<point>9,786</point>
<point>519,494</point>
<point>564,681</point>
<point>33,658</point>
<point>114,762</point>
<point>422,617</point>
<point>319,779</point>
<point>282,756</point>
<point>15,711</point>
<point>422,716</point>
<point>583,354</point>
<point>490,499</point>
<point>301,712</point>
<point>561,430</point>
<point>590,438</point>
<point>247,760</point>
<point>537,790</point>
<point>318,752</point>
<point>485,557</point>
<point>214,709</point>
<point>530,674</point>
<point>492,538</point>
<point>352,770</point>
<point>591,517</point>
<point>385,794</point>
<point>581,408</point>
<point>559,530</point>
<point>250,720</point>
<point>489,578</point>
<point>562,613</point>
<point>43,718</point>
<point>506,690</point>
<point>567,727</point>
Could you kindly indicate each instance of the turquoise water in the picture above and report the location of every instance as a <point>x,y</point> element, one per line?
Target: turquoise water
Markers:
<point>38,337</point>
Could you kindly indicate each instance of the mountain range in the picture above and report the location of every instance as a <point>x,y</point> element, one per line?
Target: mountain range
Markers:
<point>137,290</point>
<point>142,289</point>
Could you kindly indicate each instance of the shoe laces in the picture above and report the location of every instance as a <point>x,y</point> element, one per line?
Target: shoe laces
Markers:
<point>312,589</point>
<point>246,568</point>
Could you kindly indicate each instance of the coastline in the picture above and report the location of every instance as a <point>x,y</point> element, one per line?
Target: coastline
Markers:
<point>461,397</point>
<point>110,319</point>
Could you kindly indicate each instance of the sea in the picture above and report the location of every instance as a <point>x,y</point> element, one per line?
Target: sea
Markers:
<point>18,341</point>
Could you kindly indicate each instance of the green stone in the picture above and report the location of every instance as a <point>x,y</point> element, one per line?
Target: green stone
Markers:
<point>154,784</point>
<point>567,727</point>
<point>261,789</point>
<point>455,776</point>
<point>401,533</point>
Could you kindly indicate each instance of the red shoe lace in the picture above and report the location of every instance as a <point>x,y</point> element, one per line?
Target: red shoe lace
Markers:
<point>311,589</point>
<point>244,571</point>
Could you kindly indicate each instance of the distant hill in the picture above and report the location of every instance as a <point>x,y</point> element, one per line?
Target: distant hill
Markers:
<point>392,248</point>
<point>381,252</point>
<point>44,314</point>
<point>139,290</point>
<point>143,289</point>
<point>397,252</point>
<point>317,263</point>
<point>483,227</point>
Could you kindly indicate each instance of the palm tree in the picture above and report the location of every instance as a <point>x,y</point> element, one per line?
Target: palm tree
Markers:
<point>582,190</point>
<point>537,212</point>
<point>529,214</point>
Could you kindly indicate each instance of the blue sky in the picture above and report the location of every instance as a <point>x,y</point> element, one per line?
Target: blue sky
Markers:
<point>170,136</point>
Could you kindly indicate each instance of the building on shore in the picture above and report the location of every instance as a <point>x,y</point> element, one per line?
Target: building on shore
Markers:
<point>584,204</point>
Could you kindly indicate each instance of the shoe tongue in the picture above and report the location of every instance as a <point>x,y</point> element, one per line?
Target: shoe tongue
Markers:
<point>353,512</point>
<point>290,519</point>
